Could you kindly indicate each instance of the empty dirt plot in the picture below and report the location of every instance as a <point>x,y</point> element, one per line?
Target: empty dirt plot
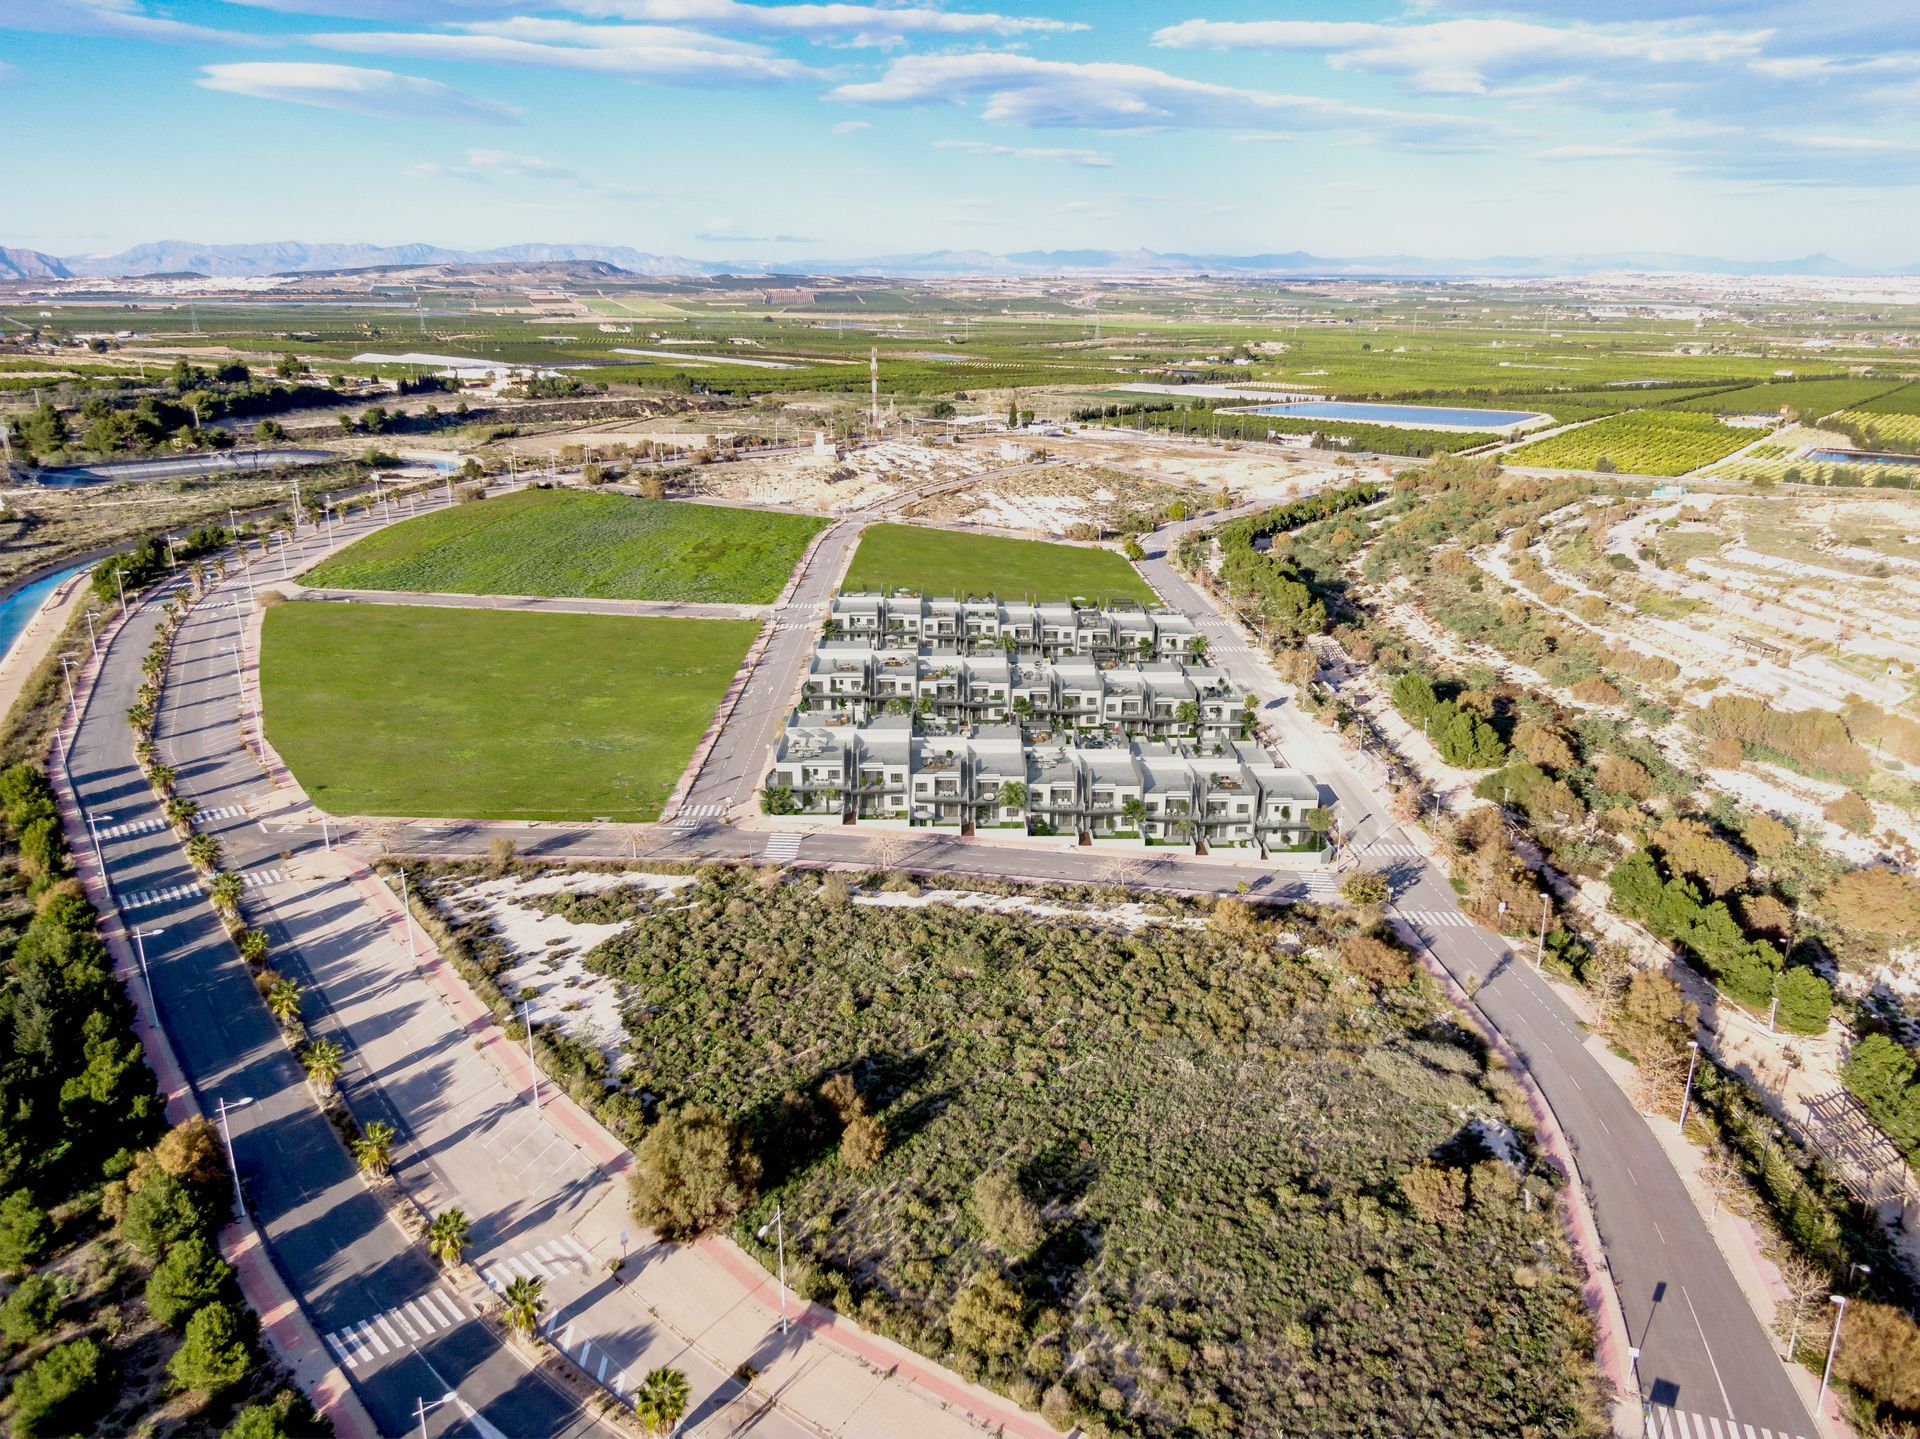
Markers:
<point>1066,500</point>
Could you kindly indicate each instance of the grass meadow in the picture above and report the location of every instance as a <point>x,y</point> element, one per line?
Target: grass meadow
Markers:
<point>941,562</point>
<point>564,542</point>
<point>403,710</point>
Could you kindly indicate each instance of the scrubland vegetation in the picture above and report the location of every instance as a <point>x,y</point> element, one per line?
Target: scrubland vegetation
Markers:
<point>1234,1172</point>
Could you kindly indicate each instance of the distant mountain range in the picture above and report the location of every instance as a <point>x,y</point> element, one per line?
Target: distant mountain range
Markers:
<point>175,257</point>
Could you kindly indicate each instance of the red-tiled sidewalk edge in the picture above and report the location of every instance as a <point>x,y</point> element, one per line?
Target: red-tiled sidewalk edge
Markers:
<point>1602,1298</point>
<point>510,1059</point>
<point>282,1321</point>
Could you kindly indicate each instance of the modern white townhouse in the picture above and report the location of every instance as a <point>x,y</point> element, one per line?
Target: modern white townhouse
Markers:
<point>1128,631</point>
<point>1159,699</point>
<point>989,777</point>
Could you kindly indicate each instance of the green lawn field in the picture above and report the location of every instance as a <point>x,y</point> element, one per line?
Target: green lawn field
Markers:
<point>942,562</point>
<point>403,710</point>
<point>564,542</point>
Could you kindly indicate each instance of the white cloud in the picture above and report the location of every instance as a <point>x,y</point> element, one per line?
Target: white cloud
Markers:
<point>1464,57</point>
<point>486,166</point>
<point>1093,158</point>
<point>852,127</point>
<point>1592,152</point>
<point>630,52</point>
<point>854,24</point>
<point>358,92</point>
<point>1022,90</point>
<point>113,18</point>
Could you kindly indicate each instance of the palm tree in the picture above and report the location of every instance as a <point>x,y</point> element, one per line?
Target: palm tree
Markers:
<point>180,810</point>
<point>204,851</point>
<point>374,1148</point>
<point>145,751</point>
<point>254,946</point>
<point>661,1400</point>
<point>161,777</point>
<point>448,1235</point>
<point>284,998</point>
<point>324,1060</point>
<point>525,1300</point>
<point>224,890</point>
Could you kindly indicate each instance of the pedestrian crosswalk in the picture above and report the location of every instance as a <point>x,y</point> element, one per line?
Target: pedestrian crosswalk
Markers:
<point>1439,919</point>
<point>565,1255</point>
<point>132,827</point>
<point>395,1328</point>
<point>1664,1423</point>
<point>1319,881</point>
<point>690,814</point>
<point>1392,851</point>
<point>193,888</point>
<point>783,848</point>
<point>225,811</point>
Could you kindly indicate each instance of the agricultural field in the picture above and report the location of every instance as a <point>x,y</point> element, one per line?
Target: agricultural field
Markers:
<point>1902,401</point>
<point>1809,399</point>
<point>1893,429</point>
<point>1152,1172</point>
<point>940,562</point>
<point>1640,442</point>
<point>566,542</point>
<point>447,713</point>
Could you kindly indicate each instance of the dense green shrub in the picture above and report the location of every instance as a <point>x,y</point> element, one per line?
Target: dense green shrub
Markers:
<point>191,1275</point>
<point>1879,1072</point>
<point>1806,1001</point>
<point>63,1389</point>
<point>1706,932</point>
<point>212,1355</point>
<point>28,1312</point>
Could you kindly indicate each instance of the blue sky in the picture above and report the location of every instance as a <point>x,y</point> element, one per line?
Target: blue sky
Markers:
<point>749,130</point>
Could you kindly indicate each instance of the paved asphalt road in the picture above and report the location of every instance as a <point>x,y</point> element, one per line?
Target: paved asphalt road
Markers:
<point>219,462</point>
<point>326,1232</point>
<point>1702,1350</point>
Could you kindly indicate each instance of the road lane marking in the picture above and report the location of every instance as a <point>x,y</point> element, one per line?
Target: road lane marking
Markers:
<point>1706,1346</point>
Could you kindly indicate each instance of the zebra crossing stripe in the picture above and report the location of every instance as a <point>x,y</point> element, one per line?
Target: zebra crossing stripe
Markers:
<point>1664,1423</point>
<point>783,847</point>
<point>362,1341</point>
<point>368,1337</point>
<point>340,1352</point>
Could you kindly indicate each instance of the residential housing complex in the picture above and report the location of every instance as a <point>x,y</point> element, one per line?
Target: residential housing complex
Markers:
<point>1046,630</point>
<point>1041,719</point>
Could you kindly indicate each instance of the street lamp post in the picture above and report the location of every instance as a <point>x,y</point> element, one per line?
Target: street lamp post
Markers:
<point>1687,1098</point>
<point>1833,1348</point>
<point>1540,948</point>
<point>533,1069</point>
<point>66,668</point>
<point>119,579</point>
<point>140,948</point>
<point>420,1408</point>
<point>406,919</point>
<point>226,1136</point>
<point>93,833</point>
<point>779,1227</point>
<point>93,637</point>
